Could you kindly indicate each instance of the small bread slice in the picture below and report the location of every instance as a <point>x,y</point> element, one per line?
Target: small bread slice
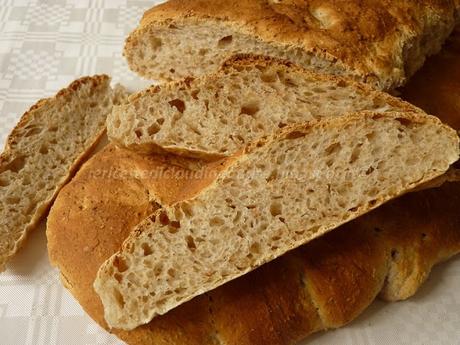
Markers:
<point>44,149</point>
<point>250,97</point>
<point>279,194</point>
<point>381,43</point>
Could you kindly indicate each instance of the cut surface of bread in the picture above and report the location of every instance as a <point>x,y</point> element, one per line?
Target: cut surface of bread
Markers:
<point>249,98</point>
<point>280,303</point>
<point>382,43</point>
<point>278,195</point>
<point>43,150</point>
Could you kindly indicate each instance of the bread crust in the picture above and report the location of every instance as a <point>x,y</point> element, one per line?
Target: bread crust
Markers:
<point>11,153</point>
<point>382,43</point>
<point>322,285</point>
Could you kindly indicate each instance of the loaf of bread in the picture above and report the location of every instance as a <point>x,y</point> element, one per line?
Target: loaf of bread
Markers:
<point>277,195</point>
<point>42,152</point>
<point>322,285</point>
<point>379,42</point>
<point>436,88</point>
<point>250,97</point>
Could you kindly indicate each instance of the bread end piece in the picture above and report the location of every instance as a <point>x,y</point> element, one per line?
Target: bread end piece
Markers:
<point>43,151</point>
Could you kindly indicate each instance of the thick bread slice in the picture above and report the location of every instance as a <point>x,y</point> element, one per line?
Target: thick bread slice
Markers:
<point>250,97</point>
<point>42,152</point>
<point>379,42</point>
<point>322,285</point>
<point>277,196</point>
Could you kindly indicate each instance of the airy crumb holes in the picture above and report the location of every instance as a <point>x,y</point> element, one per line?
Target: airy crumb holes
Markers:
<point>147,249</point>
<point>225,41</point>
<point>16,165</point>
<point>190,243</point>
<point>250,108</point>
<point>120,264</point>
<point>178,104</point>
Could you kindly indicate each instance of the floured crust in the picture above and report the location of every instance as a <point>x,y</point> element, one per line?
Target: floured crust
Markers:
<point>324,284</point>
<point>382,43</point>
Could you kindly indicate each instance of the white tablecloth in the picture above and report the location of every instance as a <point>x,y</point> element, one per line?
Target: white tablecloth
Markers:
<point>44,45</point>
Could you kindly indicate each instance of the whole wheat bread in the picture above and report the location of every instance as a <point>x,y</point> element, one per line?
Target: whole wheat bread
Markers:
<point>250,97</point>
<point>322,285</point>
<point>276,196</point>
<point>382,43</point>
<point>42,152</point>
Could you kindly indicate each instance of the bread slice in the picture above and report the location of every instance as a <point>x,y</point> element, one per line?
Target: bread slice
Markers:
<point>382,43</point>
<point>280,303</point>
<point>250,97</point>
<point>42,152</point>
<point>278,195</point>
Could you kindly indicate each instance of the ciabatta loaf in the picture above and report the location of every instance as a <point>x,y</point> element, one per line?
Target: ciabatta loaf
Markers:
<point>382,43</point>
<point>250,97</point>
<point>276,196</point>
<point>43,150</point>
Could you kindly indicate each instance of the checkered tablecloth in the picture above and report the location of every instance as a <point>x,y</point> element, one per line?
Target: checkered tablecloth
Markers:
<point>44,45</point>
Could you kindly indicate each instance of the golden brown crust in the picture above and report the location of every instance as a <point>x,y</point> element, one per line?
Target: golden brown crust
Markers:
<point>414,252</point>
<point>268,306</point>
<point>383,42</point>
<point>322,285</point>
<point>436,88</point>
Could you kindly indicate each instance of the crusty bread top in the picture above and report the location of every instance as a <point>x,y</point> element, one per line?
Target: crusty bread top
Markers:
<point>342,271</point>
<point>384,42</point>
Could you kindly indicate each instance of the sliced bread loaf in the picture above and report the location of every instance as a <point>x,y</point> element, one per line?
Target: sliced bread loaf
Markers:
<point>382,43</point>
<point>43,150</point>
<point>276,196</point>
<point>250,97</point>
<point>280,303</point>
